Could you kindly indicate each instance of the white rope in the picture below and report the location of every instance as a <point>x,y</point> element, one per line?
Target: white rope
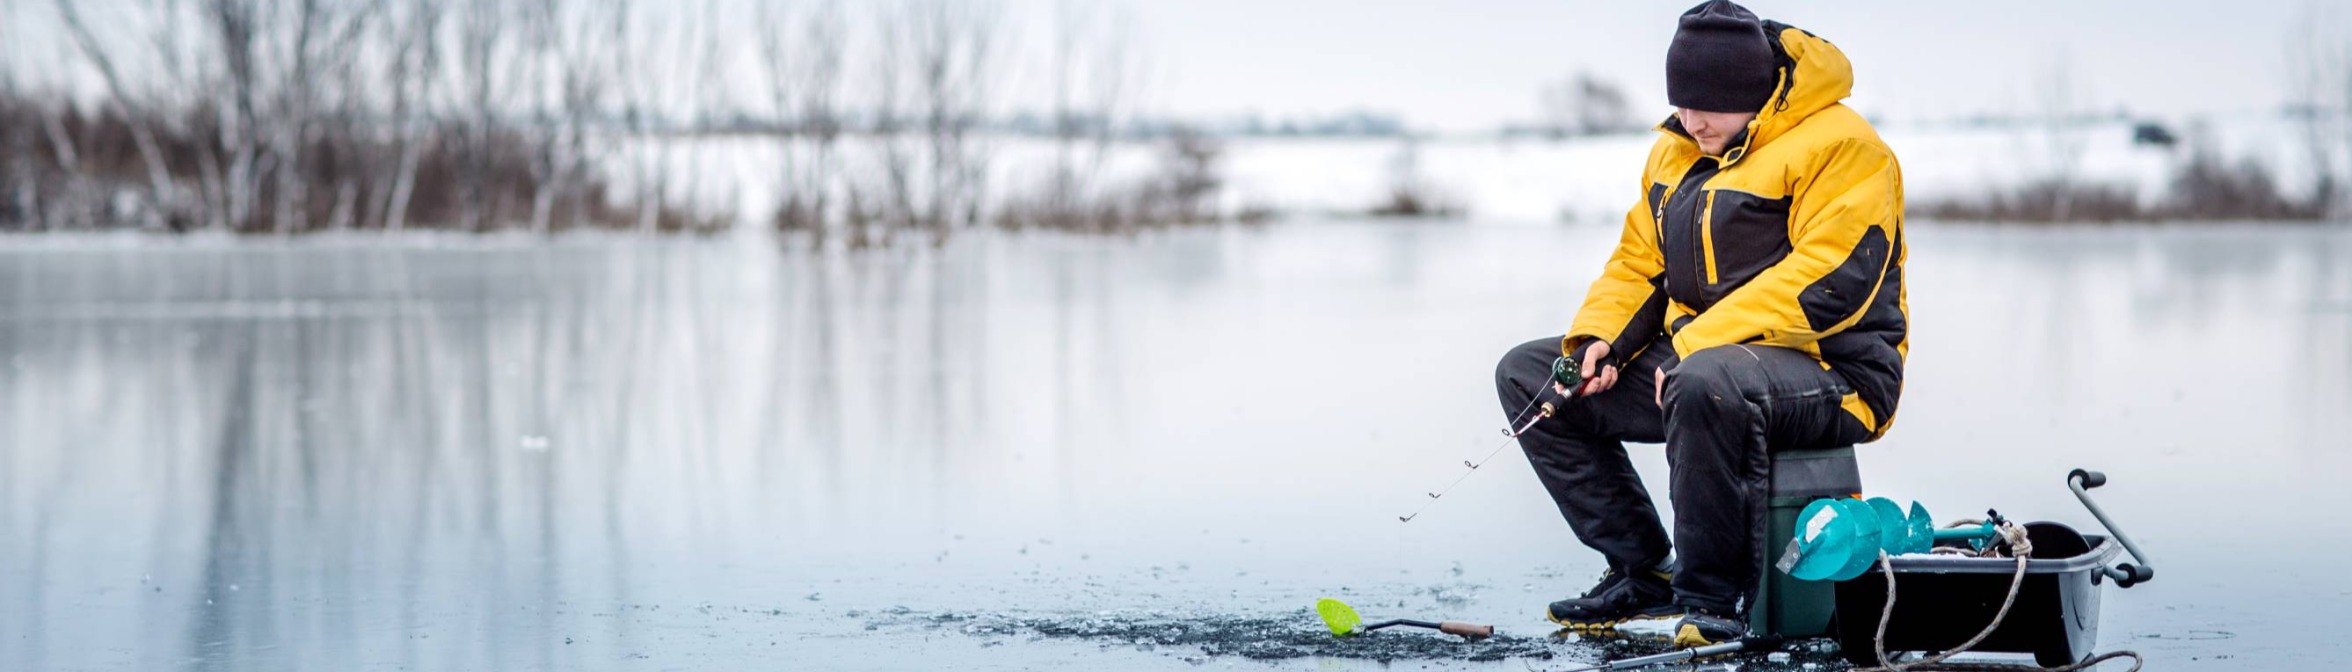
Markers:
<point>2022,548</point>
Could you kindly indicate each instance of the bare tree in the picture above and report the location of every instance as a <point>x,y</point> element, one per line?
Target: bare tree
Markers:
<point>1585,104</point>
<point>710,100</point>
<point>545,79</point>
<point>649,94</point>
<point>1191,177</point>
<point>1410,192</point>
<point>2057,96</point>
<point>299,115</point>
<point>412,65</point>
<point>235,28</point>
<point>887,127</point>
<point>2319,67</point>
<point>323,39</point>
<point>585,65</point>
<point>164,198</point>
<point>953,45</point>
<point>345,117</point>
<point>481,45</point>
<point>1095,75</point>
<point>931,83</point>
<point>16,167</point>
<point>803,55</point>
<point>74,182</point>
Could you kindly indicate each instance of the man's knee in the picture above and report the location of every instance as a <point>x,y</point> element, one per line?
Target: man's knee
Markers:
<point>1711,377</point>
<point>1526,367</point>
<point>1525,375</point>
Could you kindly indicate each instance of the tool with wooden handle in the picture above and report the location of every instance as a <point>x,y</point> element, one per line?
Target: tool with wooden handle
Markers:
<point>1343,621</point>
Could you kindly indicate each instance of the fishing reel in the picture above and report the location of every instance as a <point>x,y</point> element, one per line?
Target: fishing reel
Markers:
<point>1568,372</point>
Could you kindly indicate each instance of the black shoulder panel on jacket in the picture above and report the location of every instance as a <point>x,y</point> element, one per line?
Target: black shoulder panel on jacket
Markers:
<point>1648,321</point>
<point>1839,294</point>
<point>1750,234</point>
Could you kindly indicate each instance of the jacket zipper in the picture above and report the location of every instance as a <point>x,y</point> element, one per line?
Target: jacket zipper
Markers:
<point>1690,256</point>
<point>1707,237</point>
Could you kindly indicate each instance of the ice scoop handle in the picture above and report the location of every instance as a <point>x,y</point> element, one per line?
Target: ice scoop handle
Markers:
<point>1470,630</point>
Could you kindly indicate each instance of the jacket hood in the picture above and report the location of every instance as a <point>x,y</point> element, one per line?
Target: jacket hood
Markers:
<point>1814,75</point>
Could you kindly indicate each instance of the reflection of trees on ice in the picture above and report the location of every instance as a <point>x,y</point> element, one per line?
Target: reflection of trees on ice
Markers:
<point>460,454</point>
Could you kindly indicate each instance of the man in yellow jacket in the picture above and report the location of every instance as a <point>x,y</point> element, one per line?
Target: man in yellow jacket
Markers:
<point>1754,303</point>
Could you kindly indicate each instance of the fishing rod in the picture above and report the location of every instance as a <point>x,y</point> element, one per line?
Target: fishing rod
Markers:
<point>1568,373</point>
<point>1744,645</point>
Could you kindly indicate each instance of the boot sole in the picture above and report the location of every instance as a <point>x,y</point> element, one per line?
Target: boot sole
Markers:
<point>1688,637</point>
<point>1604,625</point>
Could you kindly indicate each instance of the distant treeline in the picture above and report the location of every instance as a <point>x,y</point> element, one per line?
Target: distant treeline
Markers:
<point>2204,186</point>
<point>2204,183</point>
<point>293,116</point>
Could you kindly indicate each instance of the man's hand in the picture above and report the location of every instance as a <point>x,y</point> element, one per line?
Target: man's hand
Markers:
<point>1659,395</point>
<point>1597,378</point>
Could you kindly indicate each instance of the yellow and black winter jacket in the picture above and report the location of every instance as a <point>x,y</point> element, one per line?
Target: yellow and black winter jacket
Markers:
<point>1792,238</point>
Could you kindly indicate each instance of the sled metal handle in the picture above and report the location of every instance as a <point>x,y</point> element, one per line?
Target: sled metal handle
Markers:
<point>2125,574</point>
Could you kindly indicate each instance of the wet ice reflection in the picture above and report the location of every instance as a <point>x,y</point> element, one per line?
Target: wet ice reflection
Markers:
<point>605,453</point>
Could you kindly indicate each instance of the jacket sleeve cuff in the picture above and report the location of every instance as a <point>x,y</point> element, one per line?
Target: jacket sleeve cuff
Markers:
<point>1574,339</point>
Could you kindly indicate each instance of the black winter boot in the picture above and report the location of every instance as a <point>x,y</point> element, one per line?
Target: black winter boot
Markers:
<point>1700,627</point>
<point>1618,598</point>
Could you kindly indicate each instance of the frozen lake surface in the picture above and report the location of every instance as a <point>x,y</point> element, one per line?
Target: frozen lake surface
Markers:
<point>1023,452</point>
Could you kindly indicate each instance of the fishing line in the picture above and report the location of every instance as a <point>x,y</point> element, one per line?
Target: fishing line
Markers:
<point>1510,436</point>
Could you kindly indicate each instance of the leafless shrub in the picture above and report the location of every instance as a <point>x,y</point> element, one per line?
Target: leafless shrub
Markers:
<point>2043,200</point>
<point>2319,65</point>
<point>1256,213</point>
<point>1096,75</point>
<point>1585,104</point>
<point>803,55</point>
<point>2061,152</point>
<point>1182,188</point>
<point>1411,194</point>
<point>2204,186</point>
<point>1191,175</point>
<point>2207,186</point>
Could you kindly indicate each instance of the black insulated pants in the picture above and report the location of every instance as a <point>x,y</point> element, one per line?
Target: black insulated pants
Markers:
<point>1725,408</point>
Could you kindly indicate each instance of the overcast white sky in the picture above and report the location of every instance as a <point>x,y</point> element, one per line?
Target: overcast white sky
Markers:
<point>1472,64</point>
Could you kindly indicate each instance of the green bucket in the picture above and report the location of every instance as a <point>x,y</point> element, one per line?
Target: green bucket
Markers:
<point>1786,606</point>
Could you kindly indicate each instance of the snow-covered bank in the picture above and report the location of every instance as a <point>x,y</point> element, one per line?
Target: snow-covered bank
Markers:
<point>1579,180</point>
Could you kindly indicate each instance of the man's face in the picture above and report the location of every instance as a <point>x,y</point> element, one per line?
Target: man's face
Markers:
<point>1713,130</point>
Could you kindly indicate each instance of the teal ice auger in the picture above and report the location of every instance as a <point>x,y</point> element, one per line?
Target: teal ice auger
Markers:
<point>1838,539</point>
<point>2047,575</point>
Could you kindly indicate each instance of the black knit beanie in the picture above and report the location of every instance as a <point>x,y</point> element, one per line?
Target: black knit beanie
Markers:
<point>1720,61</point>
